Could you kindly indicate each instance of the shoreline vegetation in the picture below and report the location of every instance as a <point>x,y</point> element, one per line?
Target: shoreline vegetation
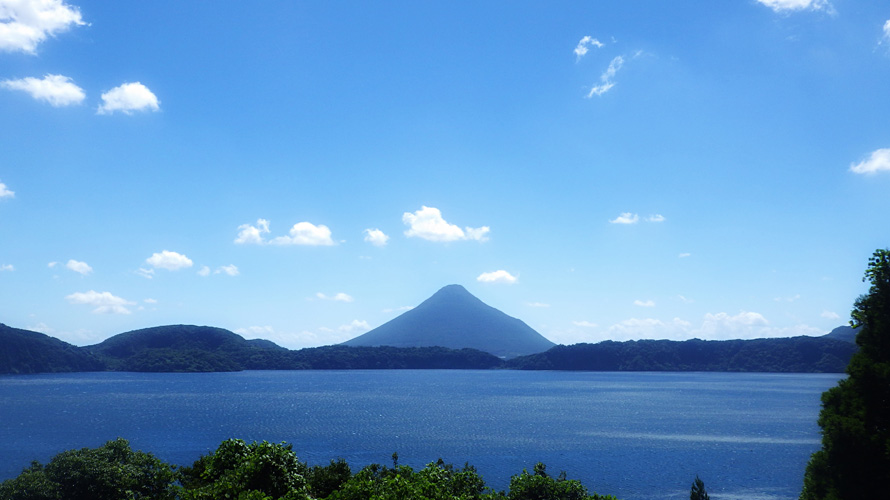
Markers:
<point>187,348</point>
<point>266,471</point>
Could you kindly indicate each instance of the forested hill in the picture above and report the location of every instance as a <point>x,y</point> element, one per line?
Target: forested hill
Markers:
<point>797,354</point>
<point>186,348</point>
<point>24,351</point>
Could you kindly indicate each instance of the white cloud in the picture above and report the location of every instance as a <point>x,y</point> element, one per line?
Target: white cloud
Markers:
<point>57,90</point>
<point>397,309</point>
<point>170,261</point>
<point>684,255</point>
<point>537,304</point>
<point>355,326</point>
<point>787,299</point>
<point>7,267</point>
<point>127,98</point>
<point>24,24</point>
<point>150,301</point>
<point>830,315</point>
<point>626,218</point>
<point>5,191</point>
<point>252,234</point>
<point>585,44</point>
<point>146,273</point>
<point>607,77</point>
<point>499,276</point>
<point>685,300</point>
<point>428,224</point>
<point>795,5</point>
<point>231,270</point>
<point>302,233</point>
<point>649,328</point>
<point>585,324</point>
<point>52,264</point>
<point>253,331</point>
<point>339,297</point>
<point>887,31</point>
<point>376,237</point>
<point>79,267</point>
<point>204,271</point>
<point>646,303</point>
<point>655,218</point>
<point>306,233</point>
<point>878,161</point>
<point>103,302</point>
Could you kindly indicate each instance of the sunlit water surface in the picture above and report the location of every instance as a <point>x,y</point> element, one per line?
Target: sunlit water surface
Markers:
<point>639,436</point>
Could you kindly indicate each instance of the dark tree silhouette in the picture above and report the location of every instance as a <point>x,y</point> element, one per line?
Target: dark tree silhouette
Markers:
<point>854,461</point>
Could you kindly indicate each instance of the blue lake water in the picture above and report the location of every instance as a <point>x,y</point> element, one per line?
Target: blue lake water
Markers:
<point>639,436</point>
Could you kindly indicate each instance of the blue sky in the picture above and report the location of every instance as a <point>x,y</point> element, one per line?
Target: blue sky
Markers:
<point>305,171</point>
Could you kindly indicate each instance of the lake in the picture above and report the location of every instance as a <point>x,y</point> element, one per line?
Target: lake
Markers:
<point>639,436</point>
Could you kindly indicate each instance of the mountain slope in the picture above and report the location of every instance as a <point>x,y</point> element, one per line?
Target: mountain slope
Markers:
<point>456,319</point>
<point>24,351</point>
<point>797,354</point>
<point>186,348</point>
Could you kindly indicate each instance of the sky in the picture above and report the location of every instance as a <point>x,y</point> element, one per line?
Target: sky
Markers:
<point>304,171</point>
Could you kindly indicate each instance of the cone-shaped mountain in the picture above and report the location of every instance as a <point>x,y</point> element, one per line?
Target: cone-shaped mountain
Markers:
<point>454,318</point>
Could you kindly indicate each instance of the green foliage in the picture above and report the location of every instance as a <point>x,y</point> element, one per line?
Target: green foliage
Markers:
<point>265,471</point>
<point>324,480</point>
<point>111,472</point>
<point>247,471</point>
<point>436,481</point>
<point>854,461</point>
<point>540,486</point>
<point>698,491</point>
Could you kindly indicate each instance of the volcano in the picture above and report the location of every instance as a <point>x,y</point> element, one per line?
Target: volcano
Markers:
<point>455,318</point>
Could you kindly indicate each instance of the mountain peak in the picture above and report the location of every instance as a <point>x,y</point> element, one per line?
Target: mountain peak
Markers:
<point>454,318</point>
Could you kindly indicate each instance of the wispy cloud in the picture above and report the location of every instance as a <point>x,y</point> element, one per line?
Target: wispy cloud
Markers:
<point>230,270</point>
<point>79,267</point>
<point>644,303</point>
<point>877,162</point>
<point>104,302</point>
<point>127,98</point>
<point>26,24</point>
<point>585,324</point>
<point>584,46</point>
<point>797,5</point>
<point>830,315</point>
<point>537,304</point>
<point>655,218</point>
<point>684,255</point>
<point>428,224</point>
<point>5,192</point>
<point>499,276</point>
<point>57,90</point>
<point>338,297</point>
<point>607,78</point>
<point>7,268</point>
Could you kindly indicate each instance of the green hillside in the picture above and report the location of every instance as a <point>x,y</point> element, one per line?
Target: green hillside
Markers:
<point>23,351</point>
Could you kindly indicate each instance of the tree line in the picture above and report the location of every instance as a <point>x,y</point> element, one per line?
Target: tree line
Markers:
<point>266,471</point>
